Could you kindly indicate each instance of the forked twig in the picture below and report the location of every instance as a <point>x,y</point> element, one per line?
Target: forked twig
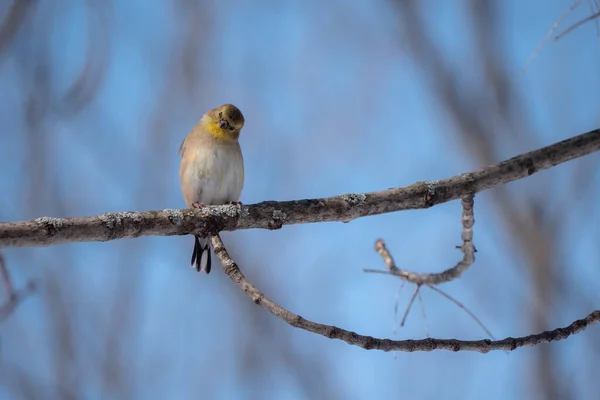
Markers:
<point>13,297</point>
<point>577,25</point>
<point>468,249</point>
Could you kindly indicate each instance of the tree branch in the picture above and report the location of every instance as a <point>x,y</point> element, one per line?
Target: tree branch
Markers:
<point>436,278</point>
<point>432,279</point>
<point>370,343</point>
<point>273,215</point>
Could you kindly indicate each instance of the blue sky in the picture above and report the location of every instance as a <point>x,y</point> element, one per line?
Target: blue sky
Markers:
<point>334,103</point>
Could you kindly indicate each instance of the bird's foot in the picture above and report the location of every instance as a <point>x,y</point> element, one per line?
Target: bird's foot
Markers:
<point>235,203</point>
<point>198,205</point>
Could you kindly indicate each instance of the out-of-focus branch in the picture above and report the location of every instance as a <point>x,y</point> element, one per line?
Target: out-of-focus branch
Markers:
<point>232,270</point>
<point>13,297</point>
<point>273,215</point>
<point>12,22</point>
<point>85,86</point>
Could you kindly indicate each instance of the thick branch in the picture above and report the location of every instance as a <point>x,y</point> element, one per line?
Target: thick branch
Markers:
<point>273,215</point>
<point>371,343</point>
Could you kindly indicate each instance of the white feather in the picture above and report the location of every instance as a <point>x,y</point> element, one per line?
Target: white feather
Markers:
<point>215,175</point>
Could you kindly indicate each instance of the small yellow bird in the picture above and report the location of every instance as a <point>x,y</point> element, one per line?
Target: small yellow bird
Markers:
<point>212,168</point>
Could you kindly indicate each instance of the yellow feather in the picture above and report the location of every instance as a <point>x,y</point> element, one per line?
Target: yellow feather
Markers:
<point>213,129</point>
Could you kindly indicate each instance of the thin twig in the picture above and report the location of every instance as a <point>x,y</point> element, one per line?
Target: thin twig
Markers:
<point>410,303</point>
<point>232,270</point>
<point>577,25</point>
<point>377,271</point>
<point>424,315</point>
<point>396,308</point>
<point>459,304</point>
<point>396,312</point>
<point>550,32</point>
<point>388,260</point>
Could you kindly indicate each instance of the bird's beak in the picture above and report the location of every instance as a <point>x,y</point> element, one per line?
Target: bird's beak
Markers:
<point>223,124</point>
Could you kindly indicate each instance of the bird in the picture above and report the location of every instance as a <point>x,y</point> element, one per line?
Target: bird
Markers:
<point>211,171</point>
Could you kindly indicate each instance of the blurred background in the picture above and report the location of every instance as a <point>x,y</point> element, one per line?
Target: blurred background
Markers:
<point>339,96</point>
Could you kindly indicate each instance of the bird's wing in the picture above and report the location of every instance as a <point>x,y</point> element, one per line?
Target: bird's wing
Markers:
<point>181,148</point>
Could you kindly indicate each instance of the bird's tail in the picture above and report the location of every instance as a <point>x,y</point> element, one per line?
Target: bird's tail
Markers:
<point>201,255</point>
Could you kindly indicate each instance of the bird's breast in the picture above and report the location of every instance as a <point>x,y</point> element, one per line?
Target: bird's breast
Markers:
<point>212,175</point>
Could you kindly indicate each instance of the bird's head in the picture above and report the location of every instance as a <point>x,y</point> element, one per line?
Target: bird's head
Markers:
<point>224,122</point>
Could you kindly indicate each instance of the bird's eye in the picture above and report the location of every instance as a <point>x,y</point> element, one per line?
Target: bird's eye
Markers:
<point>230,127</point>
<point>220,114</point>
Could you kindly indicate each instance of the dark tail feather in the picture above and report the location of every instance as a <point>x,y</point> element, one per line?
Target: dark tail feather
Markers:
<point>201,255</point>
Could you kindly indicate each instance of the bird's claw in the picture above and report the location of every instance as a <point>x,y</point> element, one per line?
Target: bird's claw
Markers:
<point>235,203</point>
<point>198,205</point>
